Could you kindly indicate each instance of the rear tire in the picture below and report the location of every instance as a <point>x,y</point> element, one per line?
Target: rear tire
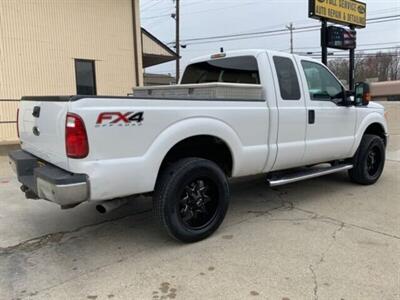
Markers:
<point>368,161</point>
<point>191,199</point>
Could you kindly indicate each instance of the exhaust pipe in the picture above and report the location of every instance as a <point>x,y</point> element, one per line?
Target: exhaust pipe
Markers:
<point>28,193</point>
<point>108,206</point>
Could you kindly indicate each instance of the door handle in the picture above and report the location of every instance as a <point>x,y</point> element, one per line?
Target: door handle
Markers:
<point>311,116</point>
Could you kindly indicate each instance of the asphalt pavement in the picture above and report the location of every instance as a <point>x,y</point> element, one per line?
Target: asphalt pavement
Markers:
<point>324,238</point>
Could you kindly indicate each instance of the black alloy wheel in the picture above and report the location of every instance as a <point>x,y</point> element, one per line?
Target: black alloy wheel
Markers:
<point>374,160</point>
<point>369,160</point>
<point>191,199</point>
<point>199,203</point>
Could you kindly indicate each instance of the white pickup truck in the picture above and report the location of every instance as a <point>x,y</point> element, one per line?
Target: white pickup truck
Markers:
<point>233,114</point>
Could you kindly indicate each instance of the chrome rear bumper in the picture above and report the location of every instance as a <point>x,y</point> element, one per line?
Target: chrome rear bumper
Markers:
<point>44,181</point>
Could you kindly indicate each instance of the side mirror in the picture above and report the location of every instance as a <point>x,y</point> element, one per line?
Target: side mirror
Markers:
<point>362,95</point>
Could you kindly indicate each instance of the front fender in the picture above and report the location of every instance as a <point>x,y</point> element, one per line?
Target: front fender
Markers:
<point>368,120</point>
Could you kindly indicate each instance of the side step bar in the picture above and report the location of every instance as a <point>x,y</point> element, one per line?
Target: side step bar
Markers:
<point>306,174</point>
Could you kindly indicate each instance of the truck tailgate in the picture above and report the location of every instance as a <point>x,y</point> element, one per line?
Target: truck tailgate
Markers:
<point>41,126</point>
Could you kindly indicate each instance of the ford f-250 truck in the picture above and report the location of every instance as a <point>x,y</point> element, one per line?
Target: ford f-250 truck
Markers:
<point>233,114</point>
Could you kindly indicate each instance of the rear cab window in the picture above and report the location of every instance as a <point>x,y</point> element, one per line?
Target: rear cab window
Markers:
<point>240,70</point>
<point>287,77</point>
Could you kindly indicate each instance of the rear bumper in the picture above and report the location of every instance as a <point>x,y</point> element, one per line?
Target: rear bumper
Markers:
<point>44,181</point>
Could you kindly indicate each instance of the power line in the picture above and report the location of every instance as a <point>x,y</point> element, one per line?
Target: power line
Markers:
<point>367,49</point>
<point>359,45</point>
<point>169,10</point>
<point>144,8</point>
<point>383,21</point>
<point>360,53</point>
<point>199,11</point>
<point>346,57</point>
<point>270,34</point>
<point>244,35</point>
<point>229,37</point>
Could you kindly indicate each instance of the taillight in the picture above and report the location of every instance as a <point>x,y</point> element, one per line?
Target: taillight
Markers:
<point>76,140</point>
<point>17,122</point>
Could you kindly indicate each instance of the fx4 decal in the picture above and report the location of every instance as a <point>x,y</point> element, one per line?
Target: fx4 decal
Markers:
<point>108,119</point>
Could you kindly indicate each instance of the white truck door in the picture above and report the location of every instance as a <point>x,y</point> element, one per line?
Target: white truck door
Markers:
<point>291,110</point>
<point>330,125</point>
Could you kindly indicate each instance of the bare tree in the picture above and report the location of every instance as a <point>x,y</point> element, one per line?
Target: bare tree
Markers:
<point>394,67</point>
<point>340,67</point>
<point>382,66</point>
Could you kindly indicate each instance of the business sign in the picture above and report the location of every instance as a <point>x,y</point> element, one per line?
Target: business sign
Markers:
<point>347,12</point>
<point>341,38</point>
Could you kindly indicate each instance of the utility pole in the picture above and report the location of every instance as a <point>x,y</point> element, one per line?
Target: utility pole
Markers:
<point>291,28</point>
<point>177,39</point>
<point>351,66</point>
<point>324,47</point>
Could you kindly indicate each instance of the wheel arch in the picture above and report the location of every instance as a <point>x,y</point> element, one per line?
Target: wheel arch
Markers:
<point>374,123</point>
<point>203,146</point>
<point>377,129</point>
<point>194,128</point>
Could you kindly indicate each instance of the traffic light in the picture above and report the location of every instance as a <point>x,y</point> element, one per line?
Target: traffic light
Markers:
<point>341,38</point>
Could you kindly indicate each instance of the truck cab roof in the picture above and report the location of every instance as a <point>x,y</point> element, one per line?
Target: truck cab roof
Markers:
<point>235,53</point>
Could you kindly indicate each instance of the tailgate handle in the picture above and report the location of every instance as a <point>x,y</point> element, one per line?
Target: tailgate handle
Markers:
<point>36,112</point>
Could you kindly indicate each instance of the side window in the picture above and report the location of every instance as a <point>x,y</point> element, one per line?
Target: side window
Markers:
<point>287,77</point>
<point>322,84</point>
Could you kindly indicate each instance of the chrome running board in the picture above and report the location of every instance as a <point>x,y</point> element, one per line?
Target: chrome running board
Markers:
<point>306,174</point>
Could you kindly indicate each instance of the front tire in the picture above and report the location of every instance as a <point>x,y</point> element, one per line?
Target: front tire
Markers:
<point>369,160</point>
<point>191,199</point>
